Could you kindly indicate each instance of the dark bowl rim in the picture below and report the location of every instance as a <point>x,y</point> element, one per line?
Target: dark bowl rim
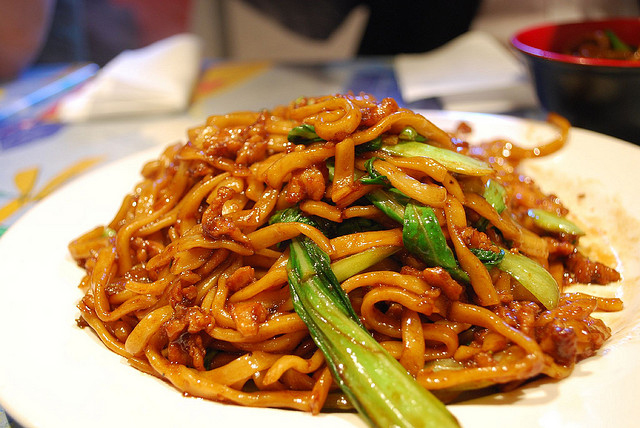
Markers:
<point>571,59</point>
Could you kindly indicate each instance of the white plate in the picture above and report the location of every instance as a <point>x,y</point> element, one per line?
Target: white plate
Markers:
<point>53,374</point>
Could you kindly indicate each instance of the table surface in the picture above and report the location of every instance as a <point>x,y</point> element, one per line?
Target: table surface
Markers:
<point>38,154</point>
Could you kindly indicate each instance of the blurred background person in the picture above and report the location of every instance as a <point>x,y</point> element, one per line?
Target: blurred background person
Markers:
<point>68,31</point>
<point>46,31</point>
<point>24,27</point>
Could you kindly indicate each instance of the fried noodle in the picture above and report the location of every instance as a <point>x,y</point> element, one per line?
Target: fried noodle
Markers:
<point>188,282</point>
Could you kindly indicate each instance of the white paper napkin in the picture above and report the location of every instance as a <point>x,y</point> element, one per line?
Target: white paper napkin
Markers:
<point>158,78</point>
<point>472,72</point>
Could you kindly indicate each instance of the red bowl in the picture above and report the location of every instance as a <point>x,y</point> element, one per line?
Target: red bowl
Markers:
<point>598,94</point>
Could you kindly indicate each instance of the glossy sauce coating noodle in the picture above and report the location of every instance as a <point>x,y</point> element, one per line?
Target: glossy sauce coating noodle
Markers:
<point>189,282</point>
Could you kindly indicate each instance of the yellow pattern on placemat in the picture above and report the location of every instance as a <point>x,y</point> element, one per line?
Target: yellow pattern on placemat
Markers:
<point>222,76</point>
<point>67,174</point>
<point>25,180</point>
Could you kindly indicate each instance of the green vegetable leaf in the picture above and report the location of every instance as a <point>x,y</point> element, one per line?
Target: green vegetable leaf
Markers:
<point>487,257</point>
<point>373,177</point>
<point>347,267</point>
<point>410,134</point>
<point>316,262</point>
<point>369,146</point>
<point>376,384</point>
<point>423,237</point>
<point>292,214</point>
<point>389,202</point>
<point>303,134</point>
<point>495,193</point>
<point>453,161</point>
<point>533,277</point>
<point>554,223</point>
<point>355,225</point>
<point>616,43</point>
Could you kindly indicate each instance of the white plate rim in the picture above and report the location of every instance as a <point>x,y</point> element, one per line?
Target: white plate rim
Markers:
<point>77,380</point>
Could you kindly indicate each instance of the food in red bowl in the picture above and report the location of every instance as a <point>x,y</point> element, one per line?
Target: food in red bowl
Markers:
<point>578,72</point>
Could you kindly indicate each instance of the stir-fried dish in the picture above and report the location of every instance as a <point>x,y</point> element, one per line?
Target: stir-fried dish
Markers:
<point>342,253</point>
<point>605,44</point>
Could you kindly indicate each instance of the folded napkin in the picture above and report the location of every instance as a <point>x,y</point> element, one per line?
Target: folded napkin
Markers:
<point>472,72</point>
<point>158,78</point>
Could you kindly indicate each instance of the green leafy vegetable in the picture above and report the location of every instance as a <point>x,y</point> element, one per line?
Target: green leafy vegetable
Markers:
<point>373,177</point>
<point>377,385</point>
<point>292,214</point>
<point>303,134</point>
<point>317,264</point>
<point>487,257</point>
<point>347,267</point>
<point>494,193</point>
<point>369,146</point>
<point>422,234</point>
<point>533,277</point>
<point>451,160</point>
<point>616,43</point>
<point>423,237</point>
<point>390,203</point>
<point>410,134</point>
<point>554,223</point>
<point>352,225</point>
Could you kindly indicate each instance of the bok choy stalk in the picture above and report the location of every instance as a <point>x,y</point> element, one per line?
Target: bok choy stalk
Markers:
<point>423,237</point>
<point>376,384</point>
<point>453,161</point>
<point>533,277</point>
<point>494,193</point>
<point>349,266</point>
<point>554,223</point>
<point>421,233</point>
<point>410,144</point>
<point>413,144</point>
